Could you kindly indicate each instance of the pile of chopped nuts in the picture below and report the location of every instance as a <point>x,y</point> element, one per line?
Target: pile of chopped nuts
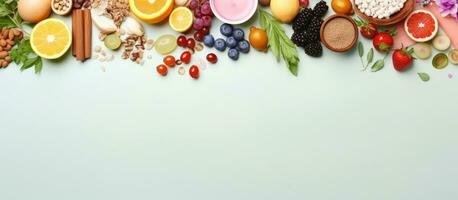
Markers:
<point>62,6</point>
<point>134,47</point>
<point>117,10</point>
<point>102,56</point>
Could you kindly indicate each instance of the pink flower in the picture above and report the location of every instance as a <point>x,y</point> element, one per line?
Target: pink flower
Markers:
<point>448,8</point>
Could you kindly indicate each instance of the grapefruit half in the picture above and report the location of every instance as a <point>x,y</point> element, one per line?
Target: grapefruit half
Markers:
<point>421,26</point>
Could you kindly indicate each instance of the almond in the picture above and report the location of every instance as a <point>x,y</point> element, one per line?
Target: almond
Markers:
<point>11,35</point>
<point>3,54</point>
<point>5,64</point>
<point>16,32</point>
<point>11,42</point>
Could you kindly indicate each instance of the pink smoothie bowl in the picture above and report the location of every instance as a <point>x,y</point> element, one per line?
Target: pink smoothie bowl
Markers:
<point>234,11</point>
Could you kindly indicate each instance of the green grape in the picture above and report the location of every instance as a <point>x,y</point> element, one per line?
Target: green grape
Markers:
<point>166,44</point>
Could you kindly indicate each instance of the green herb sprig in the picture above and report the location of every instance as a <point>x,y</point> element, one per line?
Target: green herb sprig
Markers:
<point>22,54</point>
<point>279,43</point>
<point>377,66</point>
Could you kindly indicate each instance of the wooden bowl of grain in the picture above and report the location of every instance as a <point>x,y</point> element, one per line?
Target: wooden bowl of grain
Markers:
<point>339,33</point>
<point>394,18</point>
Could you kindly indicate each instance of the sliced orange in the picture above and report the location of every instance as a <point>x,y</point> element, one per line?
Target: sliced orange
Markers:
<point>151,11</point>
<point>50,38</point>
<point>181,19</point>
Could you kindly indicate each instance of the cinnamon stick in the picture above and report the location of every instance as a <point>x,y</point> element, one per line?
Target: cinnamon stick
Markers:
<point>87,33</point>
<point>79,35</point>
<point>73,32</point>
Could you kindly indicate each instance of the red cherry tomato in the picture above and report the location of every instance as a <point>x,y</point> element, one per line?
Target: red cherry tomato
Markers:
<point>194,72</point>
<point>191,43</point>
<point>212,58</point>
<point>162,70</point>
<point>199,36</point>
<point>186,57</point>
<point>169,61</point>
<point>205,30</point>
<point>182,41</point>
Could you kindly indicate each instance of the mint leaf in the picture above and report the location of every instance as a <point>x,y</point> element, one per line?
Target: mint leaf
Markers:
<point>424,76</point>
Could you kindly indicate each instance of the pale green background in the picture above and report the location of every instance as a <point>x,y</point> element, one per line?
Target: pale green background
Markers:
<point>244,130</point>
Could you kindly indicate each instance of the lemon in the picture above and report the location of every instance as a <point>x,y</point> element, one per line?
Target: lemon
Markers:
<point>181,19</point>
<point>284,10</point>
<point>151,11</point>
<point>50,38</point>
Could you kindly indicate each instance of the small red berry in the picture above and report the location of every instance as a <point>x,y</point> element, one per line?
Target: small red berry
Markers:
<point>162,69</point>
<point>186,57</point>
<point>191,43</point>
<point>212,58</point>
<point>304,3</point>
<point>205,30</point>
<point>199,36</point>
<point>194,72</point>
<point>169,61</point>
<point>182,41</point>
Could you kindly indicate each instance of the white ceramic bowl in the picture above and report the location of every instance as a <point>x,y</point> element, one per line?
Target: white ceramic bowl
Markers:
<point>245,19</point>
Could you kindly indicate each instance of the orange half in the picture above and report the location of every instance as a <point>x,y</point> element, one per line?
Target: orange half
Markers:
<point>151,11</point>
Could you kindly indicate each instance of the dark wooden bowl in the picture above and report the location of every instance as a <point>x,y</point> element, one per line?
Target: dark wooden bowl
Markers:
<point>395,18</point>
<point>355,27</point>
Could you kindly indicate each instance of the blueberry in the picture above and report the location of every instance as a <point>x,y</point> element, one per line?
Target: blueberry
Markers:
<point>233,54</point>
<point>220,44</point>
<point>243,46</point>
<point>231,42</point>
<point>209,41</point>
<point>226,30</point>
<point>238,34</point>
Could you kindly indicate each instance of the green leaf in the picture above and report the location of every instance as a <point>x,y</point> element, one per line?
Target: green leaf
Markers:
<point>360,48</point>
<point>38,65</point>
<point>6,22</point>
<point>378,65</point>
<point>279,43</point>
<point>424,76</point>
<point>28,63</point>
<point>370,56</point>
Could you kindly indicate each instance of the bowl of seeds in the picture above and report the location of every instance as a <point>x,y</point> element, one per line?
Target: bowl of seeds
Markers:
<point>61,7</point>
<point>339,33</point>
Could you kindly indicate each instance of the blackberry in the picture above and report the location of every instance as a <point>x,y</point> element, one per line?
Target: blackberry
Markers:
<point>312,36</point>
<point>299,39</point>
<point>315,24</point>
<point>302,19</point>
<point>320,9</point>
<point>314,49</point>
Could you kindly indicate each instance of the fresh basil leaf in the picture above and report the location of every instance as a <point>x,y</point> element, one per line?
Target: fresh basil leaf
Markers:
<point>378,65</point>
<point>424,76</point>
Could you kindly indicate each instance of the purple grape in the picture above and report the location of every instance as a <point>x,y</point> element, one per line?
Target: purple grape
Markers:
<point>193,4</point>
<point>207,20</point>
<point>198,23</point>
<point>197,13</point>
<point>205,8</point>
<point>211,13</point>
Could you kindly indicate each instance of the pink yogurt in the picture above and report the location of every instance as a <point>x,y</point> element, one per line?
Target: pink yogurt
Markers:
<point>234,11</point>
